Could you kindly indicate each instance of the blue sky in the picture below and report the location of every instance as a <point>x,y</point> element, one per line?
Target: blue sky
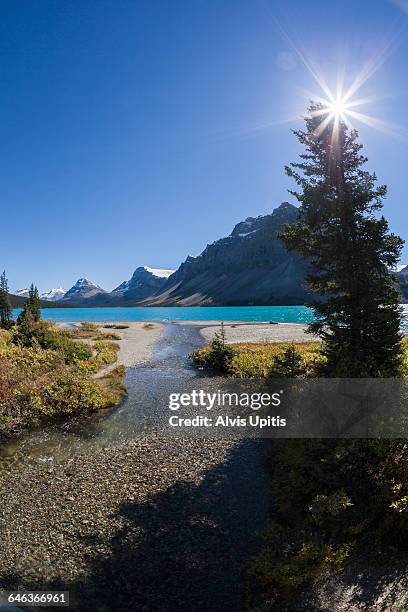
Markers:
<point>136,132</point>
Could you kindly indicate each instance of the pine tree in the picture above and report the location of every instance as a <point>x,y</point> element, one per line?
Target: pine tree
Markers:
<point>34,301</point>
<point>31,312</point>
<point>6,315</point>
<point>350,251</point>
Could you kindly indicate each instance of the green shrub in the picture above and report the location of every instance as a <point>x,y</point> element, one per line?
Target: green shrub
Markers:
<point>289,363</point>
<point>89,325</point>
<point>291,560</point>
<point>108,336</point>
<point>217,356</point>
<point>331,498</point>
<point>68,393</point>
<point>71,350</point>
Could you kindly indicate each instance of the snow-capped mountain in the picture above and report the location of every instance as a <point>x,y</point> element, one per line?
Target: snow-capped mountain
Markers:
<point>144,282</point>
<point>122,287</point>
<point>53,295</point>
<point>83,289</point>
<point>250,266</point>
<point>22,292</point>
<point>141,277</point>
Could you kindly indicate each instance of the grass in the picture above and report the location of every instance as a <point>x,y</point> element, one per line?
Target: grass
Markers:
<point>87,333</point>
<point>116,326</point>
<point>112,384</point>
<point>148,326</point>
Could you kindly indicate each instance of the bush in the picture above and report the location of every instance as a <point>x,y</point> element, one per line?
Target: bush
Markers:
<point>331,498</point>
<point>288,562</point>
<point>255,360</point>
<point>217,356</point>
<point>46,372</point>
<point>289,363</point>
<point>71,350</point>
<point>108,336</point>
<point>68,392</point>
<point>89,325</point>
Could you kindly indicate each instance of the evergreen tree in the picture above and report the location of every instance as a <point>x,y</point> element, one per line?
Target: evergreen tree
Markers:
<point>31,312</point>
<point>350,251</point>
<point>6,315</point>
<point>34,300</point>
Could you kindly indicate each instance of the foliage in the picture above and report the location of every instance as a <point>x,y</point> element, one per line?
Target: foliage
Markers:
<point>350,252</point>
<point>69,392</point>
<point>106,352</point>
<point>331,498</point>
<point>289,363</point>
<point>71,350</point>
<point>47,372</point>
<point>112,385</point>
<point>109,336</point>
<point>31,312</point>
<point>218,355</point>
<point>89,325</point>
<point>256,360</point>
<point>288,563</point>
<point>6,314</point>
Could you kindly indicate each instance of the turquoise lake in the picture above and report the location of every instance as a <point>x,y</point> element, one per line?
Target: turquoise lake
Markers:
<point>286,314</point>
<point>283,314</point>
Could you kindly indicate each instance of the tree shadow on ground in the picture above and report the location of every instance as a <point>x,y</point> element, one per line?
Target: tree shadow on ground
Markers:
<point>182,549</point>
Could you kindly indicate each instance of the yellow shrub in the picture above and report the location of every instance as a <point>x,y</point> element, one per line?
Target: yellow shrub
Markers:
<point>37,381</point>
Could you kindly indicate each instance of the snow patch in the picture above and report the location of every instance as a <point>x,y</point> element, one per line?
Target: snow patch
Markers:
<point>53,294</point>
<point>22,292</point>
<point>159,272</point>
<point>247,234</point>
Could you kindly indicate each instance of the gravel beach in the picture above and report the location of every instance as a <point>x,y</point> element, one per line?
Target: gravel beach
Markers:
<point>256,332</point>
<point>149,523</point>
<point>143,525</point>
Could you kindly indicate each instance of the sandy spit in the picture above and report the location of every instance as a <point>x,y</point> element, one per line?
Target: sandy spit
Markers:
<point>237,331</point>
<point>137,341</point>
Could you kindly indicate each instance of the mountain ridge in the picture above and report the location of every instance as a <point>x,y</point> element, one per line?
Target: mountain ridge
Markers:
<point>250,266</point>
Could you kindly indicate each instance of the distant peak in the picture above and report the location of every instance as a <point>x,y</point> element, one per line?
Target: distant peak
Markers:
<point>53,294</point>
<point>86,281</point>
<point>22,292</point>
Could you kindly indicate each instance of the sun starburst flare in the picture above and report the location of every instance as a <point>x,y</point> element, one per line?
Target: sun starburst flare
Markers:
<point>341,108</point>
<point>340,104</point>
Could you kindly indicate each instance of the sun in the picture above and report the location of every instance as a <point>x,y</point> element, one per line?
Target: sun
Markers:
<point>338,108</point>
<point>342,107</point>
<point>333,111</point>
